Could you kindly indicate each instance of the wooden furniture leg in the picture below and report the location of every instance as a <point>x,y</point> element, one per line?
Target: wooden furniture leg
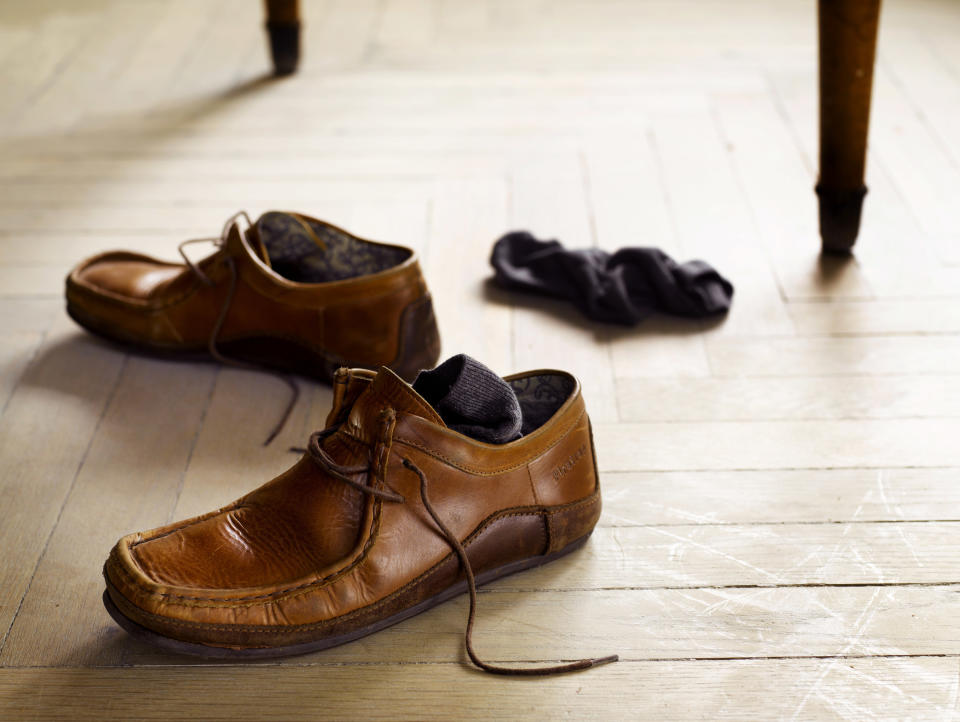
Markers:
<point>848,40</point>
<point>283,27</point>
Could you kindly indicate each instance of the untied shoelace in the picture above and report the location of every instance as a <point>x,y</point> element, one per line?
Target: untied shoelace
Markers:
<point>322,458</point>
<point>225,309</point>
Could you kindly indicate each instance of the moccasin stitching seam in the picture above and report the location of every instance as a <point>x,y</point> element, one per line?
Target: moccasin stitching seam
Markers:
<point>225,602</point>
<point>303,588</point>
<point>357,612</point>
<point>204,517</point>
<point>102,293</point>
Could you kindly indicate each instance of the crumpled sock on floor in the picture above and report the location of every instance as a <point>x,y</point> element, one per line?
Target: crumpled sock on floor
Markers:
<point>624,287</point>
<point>472,399</point>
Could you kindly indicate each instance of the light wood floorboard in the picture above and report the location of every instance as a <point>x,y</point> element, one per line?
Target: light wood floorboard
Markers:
<point>781,528</point>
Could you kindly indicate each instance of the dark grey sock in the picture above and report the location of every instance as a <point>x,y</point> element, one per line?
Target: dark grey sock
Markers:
<point>472,399</point>
<point>624,287</point>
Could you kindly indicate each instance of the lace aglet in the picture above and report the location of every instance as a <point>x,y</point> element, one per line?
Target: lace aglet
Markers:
<point>600,661</point>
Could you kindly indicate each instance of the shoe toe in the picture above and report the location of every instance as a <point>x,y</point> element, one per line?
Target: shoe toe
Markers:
<point>126,276</point>
<point>145,597</point>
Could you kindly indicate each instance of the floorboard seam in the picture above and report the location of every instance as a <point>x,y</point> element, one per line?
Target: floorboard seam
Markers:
<point>76,474</point>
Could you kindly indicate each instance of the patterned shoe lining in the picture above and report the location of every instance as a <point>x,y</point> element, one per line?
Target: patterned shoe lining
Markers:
<point>297,256</point>
<point>540,396</point>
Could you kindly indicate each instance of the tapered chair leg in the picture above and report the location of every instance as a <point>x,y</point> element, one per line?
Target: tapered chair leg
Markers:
<point>283,27</point>
<point>848,41</point>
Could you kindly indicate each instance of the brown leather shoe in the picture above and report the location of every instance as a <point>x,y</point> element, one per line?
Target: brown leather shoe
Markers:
<point>288,291</point>
<point>389,513</point>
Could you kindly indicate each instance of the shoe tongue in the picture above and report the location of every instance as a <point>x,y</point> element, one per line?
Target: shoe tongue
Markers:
<point>472,399</point>
<point>390,389</point>
<point>461,393</point>
<point>248,238</point>
<point>255,242</point>
<point>364,420</point>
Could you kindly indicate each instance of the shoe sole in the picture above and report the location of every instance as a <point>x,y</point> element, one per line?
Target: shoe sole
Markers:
<point>177,646</point>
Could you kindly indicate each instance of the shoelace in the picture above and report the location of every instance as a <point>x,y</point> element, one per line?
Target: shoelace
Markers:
<point>322,458</point>
<point>225,309</point>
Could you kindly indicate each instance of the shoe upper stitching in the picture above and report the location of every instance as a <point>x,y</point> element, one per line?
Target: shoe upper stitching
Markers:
<point>204,517</point>
<point>356,612</point>
<point>280,593</point>
<point>488,472</point>
<point>99,293</point>
<point>364,551</point>
<point>290,592</point>
<point>369,609</point>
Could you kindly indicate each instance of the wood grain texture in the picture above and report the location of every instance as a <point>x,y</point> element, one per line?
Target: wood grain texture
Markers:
<point>132,473</point>
<point>775,444</point>
<point>45,435</point>
<point>779,538</point>
<point>229,457</point>
<point>650,624</point>
<point>713,496</point>
<point>466,214</point>
<point>730,555</point>
<point>879,355</point>
<point>923,688</point>
<point>876,317</point>
<point>791,397</point>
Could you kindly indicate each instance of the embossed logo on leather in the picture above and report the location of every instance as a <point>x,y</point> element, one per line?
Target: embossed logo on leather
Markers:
<point>568,465</point>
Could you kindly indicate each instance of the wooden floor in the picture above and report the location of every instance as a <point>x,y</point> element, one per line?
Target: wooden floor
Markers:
<point>781,533</point>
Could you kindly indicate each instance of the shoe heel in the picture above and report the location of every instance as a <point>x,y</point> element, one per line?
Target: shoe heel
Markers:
<point>419,339</point>
<point>571,523</point>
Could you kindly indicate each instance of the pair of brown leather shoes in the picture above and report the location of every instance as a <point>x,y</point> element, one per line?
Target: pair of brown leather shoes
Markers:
<point>401,503</point>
